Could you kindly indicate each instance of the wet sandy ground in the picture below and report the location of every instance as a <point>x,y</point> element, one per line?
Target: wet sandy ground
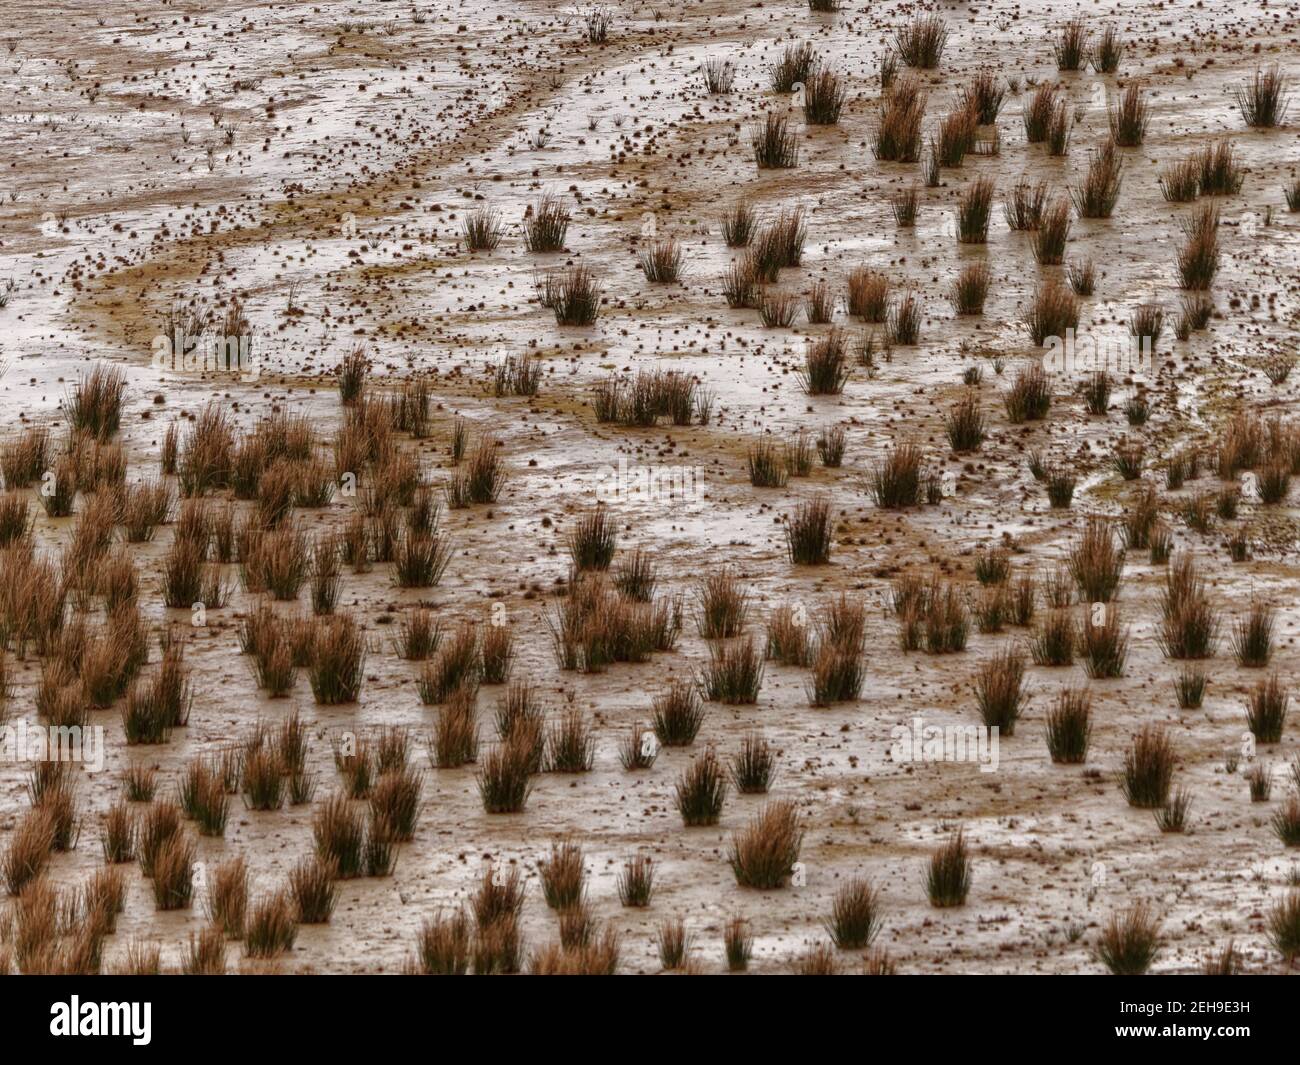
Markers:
<point>361,138</point>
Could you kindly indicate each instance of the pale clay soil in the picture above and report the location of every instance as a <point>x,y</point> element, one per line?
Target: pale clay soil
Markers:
<point>403,132</point>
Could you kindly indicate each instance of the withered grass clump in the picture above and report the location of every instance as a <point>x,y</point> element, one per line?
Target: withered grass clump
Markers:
<point>661,262</point>
<point>1053,310</point>
<point>920,43</point>
<point>974,211</point>
<point>738,944</point>
<point>701,790</point>
<point>277,561</point>
<point>775,144</point>
<point>983,96</point>
<point>1220,172</point>
<point>1103,643</point>
<point>172,869</point>
<point>897,136</point>
<point>1072,44</point>
<point>824,98</point>
<point>1284,926</point>
<point>1198,254</point>
<point>1023,206</point>
<point>338,654</point>
<point>227,902</point>
<point>1059,131</point>
<point>948,875</point>
<point>734,673</point>
<point>635,577</point>
<point>678,714</point>
<point>1097,563</point>
<point>504,775</point>
<point>1030,394</point>
<point>787,637</point>
<point>831,444</point>
<point>723,605</point>
<point>1189,624</point>
<point>443,946</point>
<point>868,296</point>
<point>572,294</point>
<point>955,138</point>
<point>796,65</point>
<point>819,305</point>
<point>314,893</point>
<point>753,766</point>
<point>1129,117</point>
<point>1172,817</point>
<point>272,926</point>
<point>1148,769</point>
<point>1252,636</point>
<point>855,918</point>
<point>1097,196</point>
<point>480,478</point>
<point>1286,822</point>
<point>1109,50</point>
<point>546,225</point>
<point>95,403</point>
<point>636,881</point>
<point>808,533</point>
<point>25,458</point>
<point>719,75</point>
<point>903,325</point>
<point>933,616</point>
<point>1049,239</point>
<point>904,205</point>
<point>340,836</point>
<point>395,802</point>
<point>118,834</point>
<point>825,368</point>
<point>570,743</point>
<point>970,289</point>
<point>739,224</point>
<point>1000,694</point>
<point>1069,726</point>
<point>350,374</point>
<point>593,540</point>
<point>28,850</point>
<point>1130,941</point>
<point>896,481</point>
<point>205,459</point>
<point>1127,460</point>
<point>454,739</point>
<point>778,309</point>
<point>1266,709</point>
<point>456,666</point>
<point>1181,181</point>
<point>1053,640</point>
<point>1082,276</point>
<point>481,229</point>
<point>764,853</point>
<point>964,423</point>
<point>1038,113</point>
<point>1263,100</point>
<point>1189,688</point>
<point>837,672</point>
